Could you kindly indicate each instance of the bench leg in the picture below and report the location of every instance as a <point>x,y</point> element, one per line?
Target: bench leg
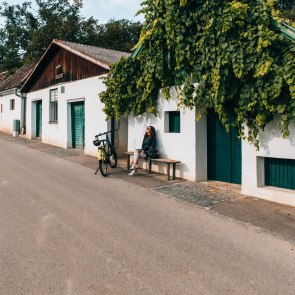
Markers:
<point>168,170</point>
<point>150,165</point>
<point>128,162</point>
<point>174,167</point>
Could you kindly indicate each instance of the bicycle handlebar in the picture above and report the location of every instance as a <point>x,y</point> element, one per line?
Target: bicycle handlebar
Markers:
<point>104,133</point>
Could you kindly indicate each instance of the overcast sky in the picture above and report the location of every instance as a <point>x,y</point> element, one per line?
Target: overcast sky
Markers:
<point>103,10</point>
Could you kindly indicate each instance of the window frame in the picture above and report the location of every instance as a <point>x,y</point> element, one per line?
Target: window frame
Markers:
<point>53,106</point>
<point>12,104</point>
<point>172,122</point>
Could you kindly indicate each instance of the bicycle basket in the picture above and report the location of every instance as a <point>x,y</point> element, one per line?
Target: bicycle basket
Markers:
<point>96,142</point>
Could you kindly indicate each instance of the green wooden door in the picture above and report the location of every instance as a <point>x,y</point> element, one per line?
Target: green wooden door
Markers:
<point>78,118</point>
<point>224,152</point>
<point>39,118</point>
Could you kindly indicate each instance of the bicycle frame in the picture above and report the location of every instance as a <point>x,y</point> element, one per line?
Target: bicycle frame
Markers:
<point>104,148</point>
<point>106,153</point>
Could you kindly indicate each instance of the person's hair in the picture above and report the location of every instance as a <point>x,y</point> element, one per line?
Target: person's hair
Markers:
<point>153,132</point>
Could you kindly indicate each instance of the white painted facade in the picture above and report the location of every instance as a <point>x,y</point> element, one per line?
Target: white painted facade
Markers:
<point>60,133</point>
<point>7,116</point>
<point>190,147</point>
<point>178,146</point>
<point>272,145</point>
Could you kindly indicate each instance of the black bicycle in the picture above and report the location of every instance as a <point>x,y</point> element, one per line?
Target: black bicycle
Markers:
<point>106,153</point>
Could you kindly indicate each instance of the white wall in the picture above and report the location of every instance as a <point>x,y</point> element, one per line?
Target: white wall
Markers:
<point>59,134</point>
<point>121,136</point>
<point>273,146</point>
<point>7,117</point>
<point>178,146</point>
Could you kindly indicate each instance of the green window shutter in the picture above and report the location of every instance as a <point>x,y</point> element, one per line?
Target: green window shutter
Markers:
<point>174,122</point>
<point>280,172</point>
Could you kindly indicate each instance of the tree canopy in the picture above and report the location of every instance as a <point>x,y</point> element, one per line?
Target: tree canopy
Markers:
<point>27,32</point>
<point>244,67</point>
<point>286,8</point>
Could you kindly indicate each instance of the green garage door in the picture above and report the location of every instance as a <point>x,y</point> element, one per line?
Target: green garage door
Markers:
<point>224,152</point>
<point>39,118</point>
<point>77,111</point>
<point>280,172</point>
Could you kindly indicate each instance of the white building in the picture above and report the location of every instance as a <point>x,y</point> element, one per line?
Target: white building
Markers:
<point>207,152</point>
<point>12,102</point>
<point>63,106</point>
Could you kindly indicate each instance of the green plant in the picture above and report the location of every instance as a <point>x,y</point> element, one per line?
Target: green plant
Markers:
<point>243,66</point>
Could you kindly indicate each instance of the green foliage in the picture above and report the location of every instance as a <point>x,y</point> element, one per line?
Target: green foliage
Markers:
<point>117,34</point>
<point>286,8</point>
<point>26,32</point>
<point>243,66</point>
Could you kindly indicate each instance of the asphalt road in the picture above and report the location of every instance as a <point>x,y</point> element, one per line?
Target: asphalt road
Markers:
<point>65,231</point>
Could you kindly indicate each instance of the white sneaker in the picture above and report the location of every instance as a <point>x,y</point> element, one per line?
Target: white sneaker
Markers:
<point>133,167</point>
<point>133,172</point>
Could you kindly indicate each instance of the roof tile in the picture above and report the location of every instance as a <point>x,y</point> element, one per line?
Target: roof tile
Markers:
<point>104,55</point>
<point>18,78</point>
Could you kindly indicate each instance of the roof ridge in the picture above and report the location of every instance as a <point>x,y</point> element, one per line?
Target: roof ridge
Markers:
<point>92,46</point>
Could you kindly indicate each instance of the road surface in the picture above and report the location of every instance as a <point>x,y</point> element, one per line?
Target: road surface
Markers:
<point>64,230</point>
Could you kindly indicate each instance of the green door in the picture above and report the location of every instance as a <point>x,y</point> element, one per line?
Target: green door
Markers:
<point>224,152</point>
<point>39,118</point>
<point>77,111</point>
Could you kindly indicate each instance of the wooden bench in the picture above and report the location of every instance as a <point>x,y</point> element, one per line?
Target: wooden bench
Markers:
<point>149,163</point>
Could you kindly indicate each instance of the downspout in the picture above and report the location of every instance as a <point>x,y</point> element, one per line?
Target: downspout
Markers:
<point>23,111</point>
<point>113,131</point>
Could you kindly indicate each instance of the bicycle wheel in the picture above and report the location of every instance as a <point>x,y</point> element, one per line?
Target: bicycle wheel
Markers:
<point>113,158</point>
<point>103,165</point>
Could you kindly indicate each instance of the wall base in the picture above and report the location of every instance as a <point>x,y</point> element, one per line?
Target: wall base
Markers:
<point>273,194</point>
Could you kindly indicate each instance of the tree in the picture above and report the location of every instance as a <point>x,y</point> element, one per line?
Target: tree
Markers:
<point>26,33</point>
<point>287,9</point>
<point>15,36</point>
<point>243,66</point>
<point>119,34</point>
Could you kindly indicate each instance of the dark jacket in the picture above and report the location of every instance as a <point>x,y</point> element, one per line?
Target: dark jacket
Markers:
<point>149,143</point>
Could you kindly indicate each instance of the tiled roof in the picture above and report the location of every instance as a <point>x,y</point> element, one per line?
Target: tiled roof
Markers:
<point>18,78</point>
<point>3,76</point>
<point>106,56</point>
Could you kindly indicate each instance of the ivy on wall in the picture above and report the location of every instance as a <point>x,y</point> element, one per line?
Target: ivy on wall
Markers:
<point>243,66</point>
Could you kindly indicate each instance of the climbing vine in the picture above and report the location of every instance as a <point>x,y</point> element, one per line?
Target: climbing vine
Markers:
<point>243,66</point>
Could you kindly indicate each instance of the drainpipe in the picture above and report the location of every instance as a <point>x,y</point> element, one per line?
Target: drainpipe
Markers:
<point>113,131</point>
<point>23,111</point>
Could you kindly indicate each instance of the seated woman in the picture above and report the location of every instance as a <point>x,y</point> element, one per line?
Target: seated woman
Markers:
<point>148,148</point>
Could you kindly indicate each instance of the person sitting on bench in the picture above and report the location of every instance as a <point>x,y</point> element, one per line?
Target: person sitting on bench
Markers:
<point>148,149</point>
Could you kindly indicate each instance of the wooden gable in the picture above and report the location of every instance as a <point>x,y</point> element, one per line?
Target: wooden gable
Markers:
<point>60,65</point>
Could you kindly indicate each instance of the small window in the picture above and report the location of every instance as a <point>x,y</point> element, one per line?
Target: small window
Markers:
<point>280,172</point>
<point>1,108</point>
<point>172,122</point>
<point>12,104</point>
<point>53,105</point>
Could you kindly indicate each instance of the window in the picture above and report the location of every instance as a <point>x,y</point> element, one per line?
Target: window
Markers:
<point>172,122</point>
<point>1,108</point>
<point>12,104</point>
<point>280,172</point>
<point>53,105</point>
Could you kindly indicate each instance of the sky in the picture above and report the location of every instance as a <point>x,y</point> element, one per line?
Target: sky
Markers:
<point>103,10</point>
